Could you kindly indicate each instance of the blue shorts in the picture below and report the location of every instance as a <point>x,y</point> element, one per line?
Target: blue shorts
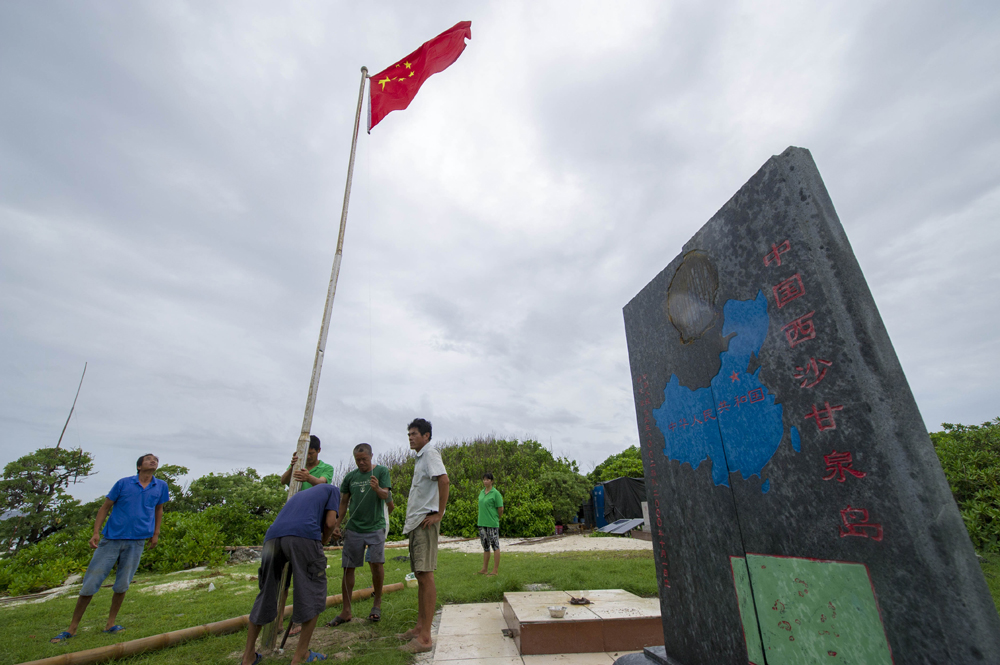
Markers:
<point>124,553</point>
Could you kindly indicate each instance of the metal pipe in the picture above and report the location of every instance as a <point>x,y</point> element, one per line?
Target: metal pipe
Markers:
<point>164,640</point>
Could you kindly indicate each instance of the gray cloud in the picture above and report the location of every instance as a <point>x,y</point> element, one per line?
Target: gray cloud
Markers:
<point>171,180</point>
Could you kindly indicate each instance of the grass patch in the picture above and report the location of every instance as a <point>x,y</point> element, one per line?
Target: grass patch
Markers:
<point>27,628</point>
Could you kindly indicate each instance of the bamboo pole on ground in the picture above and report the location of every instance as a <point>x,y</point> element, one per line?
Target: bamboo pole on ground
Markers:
<point>164,640</point>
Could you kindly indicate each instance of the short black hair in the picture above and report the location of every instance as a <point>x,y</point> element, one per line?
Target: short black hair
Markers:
<point>487,476</point>
<point>313,442</point>
<point>138,462</point>
<point>363,448</point>
<point>421,425</point>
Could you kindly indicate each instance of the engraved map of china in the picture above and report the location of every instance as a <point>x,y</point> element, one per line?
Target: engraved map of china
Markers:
<point>737,407</point>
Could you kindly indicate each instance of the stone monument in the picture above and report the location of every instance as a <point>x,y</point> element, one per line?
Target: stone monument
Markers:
<point>800,514</point>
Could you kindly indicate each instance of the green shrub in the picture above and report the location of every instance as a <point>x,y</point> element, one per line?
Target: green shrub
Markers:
<point>557,488</point>
<point>460,518</point>
<point>970,457</point>
<point>47,563</point>
<point>627,463</point>
<point>526,513</point>
<point>397,518</point>
<point>238,526</point>
<point>186,540</point>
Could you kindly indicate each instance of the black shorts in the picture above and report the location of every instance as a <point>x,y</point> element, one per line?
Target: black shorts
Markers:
<point>489,536</point>
<point>308,564</point>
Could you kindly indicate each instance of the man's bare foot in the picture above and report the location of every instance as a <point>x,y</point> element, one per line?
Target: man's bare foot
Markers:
<point>411,634</point>
<point>296,629</point>
<point>414,646</point>
<point>493,574</point>
<point>481,572</point>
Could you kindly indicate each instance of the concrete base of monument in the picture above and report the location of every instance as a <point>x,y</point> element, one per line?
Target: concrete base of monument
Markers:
<point>649,656</point>
<point>616,620</point>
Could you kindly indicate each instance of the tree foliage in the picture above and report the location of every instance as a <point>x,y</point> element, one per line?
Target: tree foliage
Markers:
<point>627,463</point>
<point>537,487</point>
<point>169,473</point>
<point>970,457</point>
<point>242,503</point>
<point>33,495</point>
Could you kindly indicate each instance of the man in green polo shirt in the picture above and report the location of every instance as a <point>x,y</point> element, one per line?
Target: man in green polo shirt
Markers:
<point>315,471</point>
<point>367,489</point>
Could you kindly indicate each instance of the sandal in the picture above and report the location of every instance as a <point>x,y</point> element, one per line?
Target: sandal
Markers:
<point>337,620</point>
<point>114,629</point>
<point>375,615</point>
<point>61,637</point>
<point>313,656</point>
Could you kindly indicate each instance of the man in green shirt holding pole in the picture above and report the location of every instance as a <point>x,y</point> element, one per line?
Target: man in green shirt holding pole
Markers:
<point>367,490</point>
<point>315,471</point>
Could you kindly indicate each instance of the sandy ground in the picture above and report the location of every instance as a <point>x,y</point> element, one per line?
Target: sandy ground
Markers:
<point>560,544</point>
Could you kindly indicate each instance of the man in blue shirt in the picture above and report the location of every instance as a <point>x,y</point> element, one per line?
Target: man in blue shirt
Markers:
<point>296,537</point>
<point>138,511</point>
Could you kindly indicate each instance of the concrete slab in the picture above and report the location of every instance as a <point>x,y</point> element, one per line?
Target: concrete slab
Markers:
<point>465,647</point>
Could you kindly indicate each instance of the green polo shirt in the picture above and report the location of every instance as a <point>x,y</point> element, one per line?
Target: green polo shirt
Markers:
<point>366,510</point>
<point>321,470</point>
<point>488,504</point>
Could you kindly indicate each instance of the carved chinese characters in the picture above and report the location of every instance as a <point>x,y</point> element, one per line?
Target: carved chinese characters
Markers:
<point>854,521</point>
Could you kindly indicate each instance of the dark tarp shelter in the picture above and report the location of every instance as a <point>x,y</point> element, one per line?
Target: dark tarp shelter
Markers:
<point>623,498</point>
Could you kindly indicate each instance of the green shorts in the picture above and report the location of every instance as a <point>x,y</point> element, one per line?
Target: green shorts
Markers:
<point>424,548</point>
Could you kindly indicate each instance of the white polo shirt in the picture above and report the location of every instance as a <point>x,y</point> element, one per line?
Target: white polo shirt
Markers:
<point>424,497</point>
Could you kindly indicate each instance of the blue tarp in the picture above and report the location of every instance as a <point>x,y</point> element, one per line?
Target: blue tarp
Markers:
<point>598,495</point>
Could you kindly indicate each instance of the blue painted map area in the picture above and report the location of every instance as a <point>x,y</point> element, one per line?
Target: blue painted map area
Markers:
<point>737,409</point>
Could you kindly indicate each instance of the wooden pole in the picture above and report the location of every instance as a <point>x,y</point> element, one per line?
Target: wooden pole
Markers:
<point>270,631</point>
<point>164,640</point>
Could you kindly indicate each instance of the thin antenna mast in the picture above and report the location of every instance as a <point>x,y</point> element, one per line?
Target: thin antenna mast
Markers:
<point>72,407</point>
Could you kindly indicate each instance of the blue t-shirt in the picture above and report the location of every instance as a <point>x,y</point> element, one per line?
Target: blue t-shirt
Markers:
<point>134,514</point>
<point>303,514</point>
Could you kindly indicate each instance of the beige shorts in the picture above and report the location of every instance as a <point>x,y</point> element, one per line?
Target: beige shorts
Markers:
<point>424,548</point>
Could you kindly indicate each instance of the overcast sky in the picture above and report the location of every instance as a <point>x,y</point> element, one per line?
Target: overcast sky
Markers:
<point>171,178</point>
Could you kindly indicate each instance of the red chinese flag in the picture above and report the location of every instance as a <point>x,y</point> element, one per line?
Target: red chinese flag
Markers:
<point>393,88</point>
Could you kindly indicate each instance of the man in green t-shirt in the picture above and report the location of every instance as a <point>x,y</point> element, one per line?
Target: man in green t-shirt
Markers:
<point>367,490</point>
<point>490,510</point>
<point>315,471</point>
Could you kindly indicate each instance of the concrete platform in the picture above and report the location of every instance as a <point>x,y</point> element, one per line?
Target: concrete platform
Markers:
<point>472,634</point>
<point>615,621</point>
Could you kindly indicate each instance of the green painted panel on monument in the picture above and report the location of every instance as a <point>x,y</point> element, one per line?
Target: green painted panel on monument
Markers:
<point>813,611</point>
<point>751,631</point>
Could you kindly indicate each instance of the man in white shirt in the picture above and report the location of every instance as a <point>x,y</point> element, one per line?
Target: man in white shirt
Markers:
<point>424,510</point>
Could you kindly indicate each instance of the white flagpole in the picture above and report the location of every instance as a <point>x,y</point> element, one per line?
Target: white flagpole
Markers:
<point>270,632</point>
